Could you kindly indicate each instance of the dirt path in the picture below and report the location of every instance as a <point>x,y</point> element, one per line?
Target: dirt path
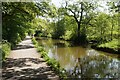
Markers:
<point>24,63</point>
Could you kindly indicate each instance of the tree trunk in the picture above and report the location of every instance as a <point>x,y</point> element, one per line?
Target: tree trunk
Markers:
<point>78,32</point>
<point>79,23</point>
<point>112,30</point>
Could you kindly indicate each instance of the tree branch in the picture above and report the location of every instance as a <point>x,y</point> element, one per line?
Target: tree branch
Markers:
<point>22,10</point>
<point>74,15</point>
<point>89,20</point>
<point>81,13</point>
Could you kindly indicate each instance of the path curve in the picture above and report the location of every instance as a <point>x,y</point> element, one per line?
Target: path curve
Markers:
<point>24,63</point>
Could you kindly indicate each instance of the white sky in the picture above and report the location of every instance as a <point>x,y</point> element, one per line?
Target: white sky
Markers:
<point>104,7</point>
<point>102,3</point>
<point>57,2</point>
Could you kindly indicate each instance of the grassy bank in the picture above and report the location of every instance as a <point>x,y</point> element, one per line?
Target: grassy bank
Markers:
<point>110,47</point>
<point>55,66</point>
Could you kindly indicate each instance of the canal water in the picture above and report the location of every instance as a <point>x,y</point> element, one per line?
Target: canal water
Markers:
<point>82,62</point>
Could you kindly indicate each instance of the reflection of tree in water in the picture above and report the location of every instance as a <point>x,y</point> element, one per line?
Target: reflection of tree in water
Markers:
<point>96,67</point>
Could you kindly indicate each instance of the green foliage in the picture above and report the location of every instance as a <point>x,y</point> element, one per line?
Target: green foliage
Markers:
<point>43,28</point>
<point>5,50</point>
<point>78,18</point>
<point>40,49</point>
<point>19,18</point>
<point>113,7</point>
<point>103,28</point>
<point>46,9</point>
<point>15,19</point>
<point>59,29</point>
<point>82,14</point>
<point>34,42</point>
<point>70,28</point>
<point>68,35</point>
<point>31,32</point>
<point>112,45</point>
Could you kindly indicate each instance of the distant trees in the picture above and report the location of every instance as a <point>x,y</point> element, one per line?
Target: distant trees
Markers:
<point>80,21</point>
<point>101,25</point>
<point>59,29</point>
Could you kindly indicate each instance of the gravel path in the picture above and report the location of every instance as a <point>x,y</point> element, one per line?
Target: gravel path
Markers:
<point>24,63</point>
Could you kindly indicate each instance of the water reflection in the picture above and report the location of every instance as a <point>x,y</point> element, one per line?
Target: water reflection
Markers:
<point>96,67</point>
<point>82,62</point>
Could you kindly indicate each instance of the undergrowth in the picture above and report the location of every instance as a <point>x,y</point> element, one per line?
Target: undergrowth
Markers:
<point>5,49</point>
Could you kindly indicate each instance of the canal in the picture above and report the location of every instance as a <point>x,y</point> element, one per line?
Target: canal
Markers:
<point>82,62</point>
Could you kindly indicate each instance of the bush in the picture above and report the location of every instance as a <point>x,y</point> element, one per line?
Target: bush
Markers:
<point>67,35</point>
<point>5,50</point>
<point>40,49</point>
<point>34,42</point>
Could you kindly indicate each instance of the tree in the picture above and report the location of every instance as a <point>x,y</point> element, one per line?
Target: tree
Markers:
<point>59,29</point>
<point>19,17</point>
<point>114,8</point>
<point>16,18</point>
<point>80,11</point>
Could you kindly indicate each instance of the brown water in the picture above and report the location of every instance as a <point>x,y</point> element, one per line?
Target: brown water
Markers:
<point>82,62</point>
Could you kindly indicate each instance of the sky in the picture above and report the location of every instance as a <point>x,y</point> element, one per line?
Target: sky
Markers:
<point>102,3</point>
<point>57,2</point>
<point>104,7</point>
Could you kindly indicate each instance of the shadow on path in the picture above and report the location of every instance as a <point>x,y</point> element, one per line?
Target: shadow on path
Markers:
<point>24,63</point>
<point>18,47</point>
<point>27,69</point>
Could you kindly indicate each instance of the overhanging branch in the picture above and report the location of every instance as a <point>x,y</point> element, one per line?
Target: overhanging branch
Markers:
<point>74,15</point>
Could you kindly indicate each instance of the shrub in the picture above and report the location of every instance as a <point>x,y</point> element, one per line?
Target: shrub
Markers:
<point>67,35</point>
<point>34,42</point>
<point>40,49</point>
<point>5,50</point>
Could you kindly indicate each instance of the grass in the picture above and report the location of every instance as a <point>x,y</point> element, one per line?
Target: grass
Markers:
<point>35,42</point>
<point>112,45</point>
<point>55,66</point>
<point>5,50</point>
